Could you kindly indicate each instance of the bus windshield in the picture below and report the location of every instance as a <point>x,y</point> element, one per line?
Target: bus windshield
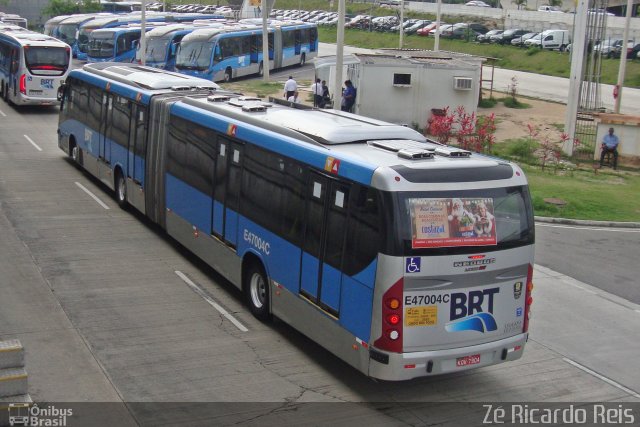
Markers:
<point>67,33</point>
<point>46,59</point>
<point>157,49</point>
<point>83,38</point>
<point>101,46</point>
<point>194,56</point>
<point>439,223</point>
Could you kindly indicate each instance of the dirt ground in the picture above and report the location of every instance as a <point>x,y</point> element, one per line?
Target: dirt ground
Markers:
<point>512,123</point>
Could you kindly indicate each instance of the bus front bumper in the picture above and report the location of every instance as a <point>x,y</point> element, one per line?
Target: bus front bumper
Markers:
<point>404,366</point>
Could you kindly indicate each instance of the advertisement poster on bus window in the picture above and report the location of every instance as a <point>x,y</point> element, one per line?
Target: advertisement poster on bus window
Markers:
<point>450,222</point>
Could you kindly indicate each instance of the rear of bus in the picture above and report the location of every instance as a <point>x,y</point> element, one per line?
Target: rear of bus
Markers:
<point>41,69</point>
<point>454,280</point>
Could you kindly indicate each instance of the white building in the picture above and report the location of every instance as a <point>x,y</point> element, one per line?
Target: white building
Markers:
<point>404,86</point>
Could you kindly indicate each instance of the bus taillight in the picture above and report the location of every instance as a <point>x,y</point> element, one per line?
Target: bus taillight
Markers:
<point>391,338</point>
<point>23,84</point>
<point>528,299</point>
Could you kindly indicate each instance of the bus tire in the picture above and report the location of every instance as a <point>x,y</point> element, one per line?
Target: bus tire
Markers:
<point>74,152</point>
<point>256,290</point>
<point>228,75</point>
<point>303,59</point>
<point>121,190</point>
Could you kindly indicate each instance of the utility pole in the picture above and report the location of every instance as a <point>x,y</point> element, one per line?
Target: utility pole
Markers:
<point>436,43</point>
<point>575,77</point>
<point>143,30</point>
<point>623,57</point>
<point>401,23</point>
<point>265,42</point>
<point>337,83</point>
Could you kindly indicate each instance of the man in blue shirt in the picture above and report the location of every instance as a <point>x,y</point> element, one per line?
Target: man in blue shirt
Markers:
<point>610,145</point>
<point>348,96</point>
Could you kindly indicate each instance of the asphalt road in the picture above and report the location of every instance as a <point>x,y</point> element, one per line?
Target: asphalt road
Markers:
<point>99,299</point>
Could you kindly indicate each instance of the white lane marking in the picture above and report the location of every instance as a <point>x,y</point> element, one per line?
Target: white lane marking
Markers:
<point>574,227</point>
<point>93,196</point>
<point>33,143</point>
<point>211,301</point>
<point>2,114</point>
<point>603,378</point>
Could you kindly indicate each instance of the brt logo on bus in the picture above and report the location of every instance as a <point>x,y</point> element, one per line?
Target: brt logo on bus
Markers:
<point>472,312</point>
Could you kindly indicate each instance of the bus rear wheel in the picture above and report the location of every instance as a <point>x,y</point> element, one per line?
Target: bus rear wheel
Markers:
<point>256,290</point>
<point>228,75</point>
<point>121,190</point>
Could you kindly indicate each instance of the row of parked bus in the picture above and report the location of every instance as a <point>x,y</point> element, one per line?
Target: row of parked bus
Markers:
<point>203,45</point>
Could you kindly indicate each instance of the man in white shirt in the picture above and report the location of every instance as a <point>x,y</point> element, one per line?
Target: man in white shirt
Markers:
<point>290,87</point>
<point>316,89</point>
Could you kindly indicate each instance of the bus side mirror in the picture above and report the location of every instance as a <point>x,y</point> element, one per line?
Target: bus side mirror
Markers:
<point>174,47</point>
<point>134,45</point>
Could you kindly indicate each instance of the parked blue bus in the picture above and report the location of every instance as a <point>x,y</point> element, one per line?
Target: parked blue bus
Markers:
<point>161,43</point>
<point>116,44</point>
<point>132,18</point>
<point>223,54</point>
<point>402,256</point>
<point>32,66</point>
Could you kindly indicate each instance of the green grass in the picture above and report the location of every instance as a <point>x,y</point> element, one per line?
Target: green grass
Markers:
<point>606,196</point>
<point>260,88</point>
<point>538,61</point>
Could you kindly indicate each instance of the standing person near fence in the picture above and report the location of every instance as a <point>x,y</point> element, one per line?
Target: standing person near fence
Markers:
<point>326,98</point>
<point>290,86</point>
<point>316,88</point>
<point>348,96</point>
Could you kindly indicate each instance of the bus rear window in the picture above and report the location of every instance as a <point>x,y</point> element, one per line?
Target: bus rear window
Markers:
<point>436,222</point>
<point>43,60</point>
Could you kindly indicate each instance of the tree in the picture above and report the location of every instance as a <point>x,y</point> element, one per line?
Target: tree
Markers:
<point>69,7</point>
<point>520,3</point>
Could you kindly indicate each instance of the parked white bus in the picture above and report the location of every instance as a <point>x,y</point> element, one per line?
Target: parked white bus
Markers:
<point>32,66</point>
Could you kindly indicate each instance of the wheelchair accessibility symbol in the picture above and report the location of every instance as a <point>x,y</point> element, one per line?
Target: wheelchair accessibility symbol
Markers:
<point>412,265</point>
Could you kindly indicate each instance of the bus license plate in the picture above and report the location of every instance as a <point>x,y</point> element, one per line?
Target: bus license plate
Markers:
<point>468,360</point>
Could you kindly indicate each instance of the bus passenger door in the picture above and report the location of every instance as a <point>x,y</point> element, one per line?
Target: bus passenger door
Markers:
<point>228,179</point>
<point>104,150</point>
<point>297,41</point>
<point>256,48</point>
<point>324,242</point>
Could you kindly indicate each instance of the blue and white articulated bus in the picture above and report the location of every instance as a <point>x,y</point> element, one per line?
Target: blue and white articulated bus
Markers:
<point>162,42</point>
<point>124,20</point>
<point>403,257</point>
<point>223,54</point>
<point>32,66</point>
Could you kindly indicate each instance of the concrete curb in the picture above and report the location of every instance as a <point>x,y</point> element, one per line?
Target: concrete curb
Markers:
<point>567,221</point>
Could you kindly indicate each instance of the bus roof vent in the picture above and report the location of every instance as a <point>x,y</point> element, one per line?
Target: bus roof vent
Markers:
<point>218,98</point>
<point>396,145</point>
<point>452,152</point>
<point>415,154</point>
<point>254,107</point>
<point>180,88</point>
